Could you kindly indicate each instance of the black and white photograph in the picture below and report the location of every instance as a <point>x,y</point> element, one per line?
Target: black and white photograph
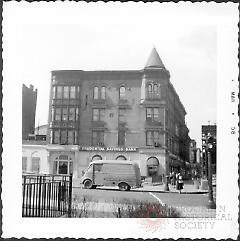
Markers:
<point>120,120</point>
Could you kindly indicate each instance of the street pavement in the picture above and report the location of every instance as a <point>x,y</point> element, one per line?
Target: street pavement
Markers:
<point>102,201</point>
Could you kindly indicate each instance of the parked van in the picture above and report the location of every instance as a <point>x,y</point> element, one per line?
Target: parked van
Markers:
<point>121,173</point>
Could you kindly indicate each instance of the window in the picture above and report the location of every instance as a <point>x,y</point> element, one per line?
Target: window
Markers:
<point>64,114</point>
<point>153,91</point>
<point>54,92</point>
<point>63,165</point>
<point>24,164</point>
<point>70,138</point>
<point>59,92</point>
<point>71,114</point>
<point>176,130</point>
<point>98,114</point>
<point>53,110</point>
<point>152,138</point>
<point>72,92</point>
<point>98,167</point>
<point>149,91</point>
<point>78,91</point>
<point>65,92</point>
<point>63,137</point>
<point>77,116</point>
<point>122,92</point>
<point>152,114</point>
<point>121,138</point>
<point>96,157</point>
<point>95,93</point>
<point>56,137</point>
<point>75,137</point>
<point>156,114</point>
<point>122,115</point>
<point>103,93</point>
<point>121,157</point>
<point>58,114</point>
<point>35,164</point>
<point>98,138</point>
<point>149,113</point>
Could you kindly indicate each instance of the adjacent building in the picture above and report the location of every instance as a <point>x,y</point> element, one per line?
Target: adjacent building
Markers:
<point>29,100</point>
<point>129,114</point>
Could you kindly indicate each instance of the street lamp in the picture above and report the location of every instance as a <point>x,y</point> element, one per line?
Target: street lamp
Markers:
<point>211,203</point>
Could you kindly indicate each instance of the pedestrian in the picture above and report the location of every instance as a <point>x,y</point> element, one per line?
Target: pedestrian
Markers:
<point>171,177</point>
<point>174,179</point>
<point>179,183</point>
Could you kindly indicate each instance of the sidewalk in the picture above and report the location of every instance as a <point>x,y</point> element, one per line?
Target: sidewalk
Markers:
<point>187,189</point>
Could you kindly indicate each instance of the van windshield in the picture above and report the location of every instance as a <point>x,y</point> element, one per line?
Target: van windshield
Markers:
<point>90,168</point>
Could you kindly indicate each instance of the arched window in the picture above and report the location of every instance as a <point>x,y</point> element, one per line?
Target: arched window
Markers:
<point>95,93</point>
<point>122,92</point>
<point>121,157</point>
<point>103,93</point>
<point>96,158</point>
<point>152,166</point>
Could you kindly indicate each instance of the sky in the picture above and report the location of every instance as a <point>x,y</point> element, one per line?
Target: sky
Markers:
<point>41,37</point>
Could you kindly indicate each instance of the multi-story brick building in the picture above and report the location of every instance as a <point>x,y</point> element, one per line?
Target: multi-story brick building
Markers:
<point>128,114</point>
<point>29,100</point>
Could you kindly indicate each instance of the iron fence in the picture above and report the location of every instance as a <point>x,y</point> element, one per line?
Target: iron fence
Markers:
<point>46,195</point>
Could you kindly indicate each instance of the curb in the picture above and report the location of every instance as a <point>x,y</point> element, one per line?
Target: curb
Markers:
<point>153,191</point>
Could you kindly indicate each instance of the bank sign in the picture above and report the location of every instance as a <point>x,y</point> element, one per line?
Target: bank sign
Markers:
<point>101,148</point>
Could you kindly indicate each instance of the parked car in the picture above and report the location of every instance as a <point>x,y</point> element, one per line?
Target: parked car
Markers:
<point>121,173</point>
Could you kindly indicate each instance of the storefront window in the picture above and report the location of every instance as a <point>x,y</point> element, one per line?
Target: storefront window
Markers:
<point>63,165</point>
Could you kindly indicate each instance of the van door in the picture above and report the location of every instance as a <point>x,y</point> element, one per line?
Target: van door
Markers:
<point>98,175</point>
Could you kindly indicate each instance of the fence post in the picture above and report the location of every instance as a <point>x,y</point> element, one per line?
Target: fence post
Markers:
<point>24,185</point>
<point>39,195</point>
<point>70,197</point>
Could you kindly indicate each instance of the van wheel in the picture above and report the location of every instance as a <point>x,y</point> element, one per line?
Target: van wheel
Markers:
<point>123,186</point>
<point>88,184</point>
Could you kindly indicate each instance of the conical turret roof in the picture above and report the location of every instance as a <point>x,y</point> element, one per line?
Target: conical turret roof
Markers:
<point>154,61</point>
